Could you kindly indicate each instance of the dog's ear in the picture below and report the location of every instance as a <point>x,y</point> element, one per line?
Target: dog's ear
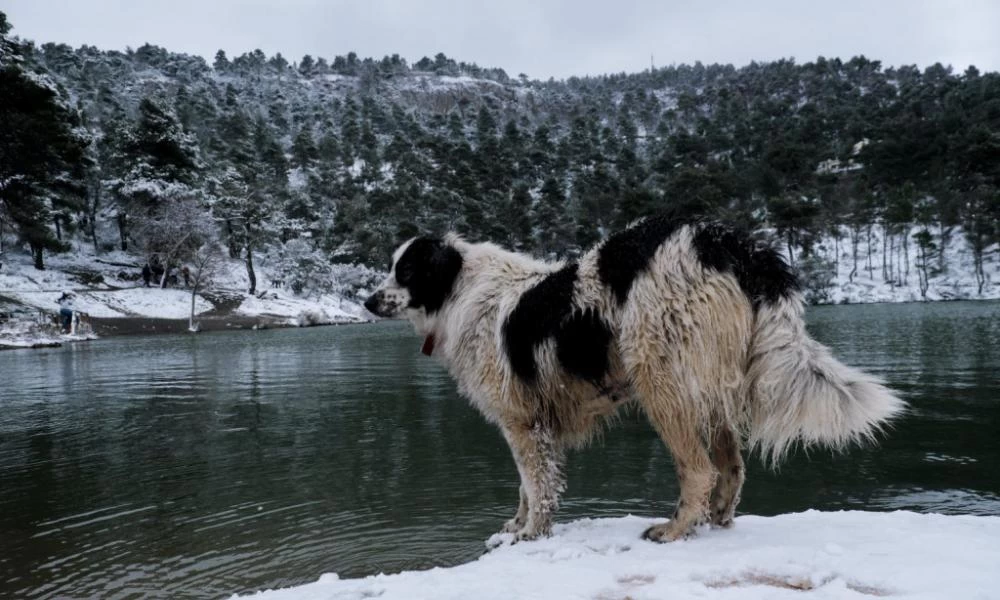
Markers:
<point>429,268</point>
<point>446,262</point>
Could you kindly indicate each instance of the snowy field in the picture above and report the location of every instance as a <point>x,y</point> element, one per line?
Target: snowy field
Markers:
<point>835,555</point>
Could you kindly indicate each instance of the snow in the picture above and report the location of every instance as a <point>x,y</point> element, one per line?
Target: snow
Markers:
<point>322,310</point>
<point>114,297</point>
<point>29,333</point>
<point>957,282</point>
<point>830,555</point>
<point>132,302</point>
<point>108,286</point>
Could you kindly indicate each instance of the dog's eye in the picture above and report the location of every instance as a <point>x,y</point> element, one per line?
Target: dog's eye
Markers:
<point>403,275</point>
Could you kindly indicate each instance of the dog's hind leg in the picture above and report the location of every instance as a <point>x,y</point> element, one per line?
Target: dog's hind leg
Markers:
<point>695,474</point>
<point>729,462</point>
<point>539,461</point>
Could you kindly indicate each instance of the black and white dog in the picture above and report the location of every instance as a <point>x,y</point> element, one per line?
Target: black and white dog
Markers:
<point>698,324</point>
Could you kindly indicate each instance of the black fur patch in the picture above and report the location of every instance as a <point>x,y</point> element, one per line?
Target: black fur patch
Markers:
<point>546,310</point>
<point>582,345</point>
<point>763,274</point>
<point>428,269</point>
<point>627,253</point>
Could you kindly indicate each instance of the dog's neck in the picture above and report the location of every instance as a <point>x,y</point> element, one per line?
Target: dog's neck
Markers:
<point>485,267</point>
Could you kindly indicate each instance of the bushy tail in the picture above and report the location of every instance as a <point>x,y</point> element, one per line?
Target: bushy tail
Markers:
<point>800,393</point>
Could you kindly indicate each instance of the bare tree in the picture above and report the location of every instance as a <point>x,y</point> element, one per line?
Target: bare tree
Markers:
<point>205,262</point>
<point>173,233</point>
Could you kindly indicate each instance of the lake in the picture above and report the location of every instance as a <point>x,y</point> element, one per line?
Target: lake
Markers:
<point>201,466</point>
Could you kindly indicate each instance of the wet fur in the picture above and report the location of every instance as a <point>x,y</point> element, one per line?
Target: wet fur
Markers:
<point>696,323</point>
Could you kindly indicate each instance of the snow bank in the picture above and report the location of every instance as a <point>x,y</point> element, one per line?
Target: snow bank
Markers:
<point>956,282</point>
<point>109,286</point>
<point>32,334</point>
<point>322,310</point>
<point>132,302</point>
<point>847,555</point>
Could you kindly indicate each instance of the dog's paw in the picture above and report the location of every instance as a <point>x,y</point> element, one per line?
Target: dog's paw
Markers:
<point>722,514</point>
<point>668,532</point>
<point>533,532</point>
<point>499,539</point>
<point>722,520</point>
<point>512,525</point>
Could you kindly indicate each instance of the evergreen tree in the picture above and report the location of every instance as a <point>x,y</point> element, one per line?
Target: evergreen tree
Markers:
<point>158,163</point>
<point>42,158</point>
<point>221,64</point>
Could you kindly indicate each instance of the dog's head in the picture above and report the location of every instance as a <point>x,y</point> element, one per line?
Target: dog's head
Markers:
<point>423,274</point>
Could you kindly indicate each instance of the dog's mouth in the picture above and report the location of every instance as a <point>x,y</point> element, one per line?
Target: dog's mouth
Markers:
<point>428,347</point>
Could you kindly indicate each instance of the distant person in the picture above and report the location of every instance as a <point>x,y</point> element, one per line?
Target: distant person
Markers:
<point>147,274</point>
<point>158,273</point>
<point>66,308</point>
<point>187,276</point>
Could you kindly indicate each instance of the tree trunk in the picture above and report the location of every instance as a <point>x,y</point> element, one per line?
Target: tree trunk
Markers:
<point>836,253</point>
<point>36,255</point>
<point>92,209</point>
<point>906,255</point>
<point>55,220</point>
<point>871,270</point>
<point>122,231</point>
<point>945,238</point>
<point>977,256</point>
<point>855,239</point>
<point>891,239</point>
<point>194,292</point>
<point>231,244</point>
<point>250,273</point>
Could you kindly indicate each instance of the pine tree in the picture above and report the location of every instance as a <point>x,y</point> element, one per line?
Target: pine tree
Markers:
<point>159,163</point>
<point>221,64</point>
<point>42,158</point>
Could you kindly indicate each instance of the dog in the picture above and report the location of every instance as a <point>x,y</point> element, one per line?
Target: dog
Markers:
<point>694,321</point>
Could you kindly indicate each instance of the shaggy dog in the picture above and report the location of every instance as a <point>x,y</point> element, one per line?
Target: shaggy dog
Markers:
<point>695,322</point>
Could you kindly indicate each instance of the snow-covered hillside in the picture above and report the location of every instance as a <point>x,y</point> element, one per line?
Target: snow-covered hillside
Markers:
<point>955,281</point>
<point>842,555</point>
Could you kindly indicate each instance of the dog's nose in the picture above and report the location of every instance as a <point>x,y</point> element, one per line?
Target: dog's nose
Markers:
<point>372,303</point>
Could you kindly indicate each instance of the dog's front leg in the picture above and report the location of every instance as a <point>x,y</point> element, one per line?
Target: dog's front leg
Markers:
<point>514,524</point>
<point>539,461</point>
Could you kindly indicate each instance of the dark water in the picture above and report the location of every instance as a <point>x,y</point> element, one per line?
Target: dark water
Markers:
<point>200,466</point>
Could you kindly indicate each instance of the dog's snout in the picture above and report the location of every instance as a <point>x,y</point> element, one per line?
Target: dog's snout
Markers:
<point>372,302</point>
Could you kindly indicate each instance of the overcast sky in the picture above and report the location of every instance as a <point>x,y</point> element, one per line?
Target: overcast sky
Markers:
<point>543,38</point>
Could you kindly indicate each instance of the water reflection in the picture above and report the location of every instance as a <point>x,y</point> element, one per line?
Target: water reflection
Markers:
<point>207,465</point>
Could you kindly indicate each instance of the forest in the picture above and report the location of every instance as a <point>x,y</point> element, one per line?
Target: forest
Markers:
<point>319,160</point>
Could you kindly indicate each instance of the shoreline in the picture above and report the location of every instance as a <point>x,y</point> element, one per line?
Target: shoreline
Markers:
<point>112,327</point>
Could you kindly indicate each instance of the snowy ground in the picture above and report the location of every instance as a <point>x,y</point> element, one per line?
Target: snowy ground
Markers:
<point>110,286</point>
<point>32,333</point>
<point>839,555</point>
<point>956,282</point>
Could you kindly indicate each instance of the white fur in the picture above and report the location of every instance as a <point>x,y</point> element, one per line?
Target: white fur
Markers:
<point>800,392</point>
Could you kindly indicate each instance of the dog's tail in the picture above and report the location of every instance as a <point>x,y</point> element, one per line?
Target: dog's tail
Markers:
<point>798,392</point>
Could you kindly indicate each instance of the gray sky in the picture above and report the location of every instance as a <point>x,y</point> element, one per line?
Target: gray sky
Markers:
<point>542,38</point>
